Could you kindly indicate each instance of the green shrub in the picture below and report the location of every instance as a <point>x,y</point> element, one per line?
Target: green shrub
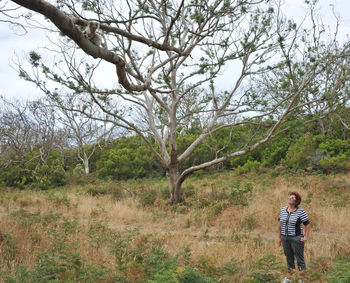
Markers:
<point>78,174</point>
<point>93,191</point>
<point>189,275</point>
<point>238,193</point>
<point>127,157</point>
<point>265,269</point>
<point>59,199</point>
<point>189,191</point>
<point>49,175</point>
<point>319,269</point>
<point>336,163</point>
<point>164,192</point>
<point>249,166</point>
<point>341,271</point>
<point>147,197</point>
<point>299,155</point>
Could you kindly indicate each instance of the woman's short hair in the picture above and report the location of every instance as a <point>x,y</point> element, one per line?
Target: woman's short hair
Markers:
<point>297,196</point>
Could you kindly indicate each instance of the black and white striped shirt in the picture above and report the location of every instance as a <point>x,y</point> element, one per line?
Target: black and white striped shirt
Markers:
<point>291,221</point>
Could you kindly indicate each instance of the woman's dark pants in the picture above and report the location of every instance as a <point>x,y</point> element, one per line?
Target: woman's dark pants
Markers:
<point>294,248</point>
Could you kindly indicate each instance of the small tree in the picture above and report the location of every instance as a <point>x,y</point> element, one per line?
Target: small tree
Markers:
<point>219,64</point>
<point>84,134</point>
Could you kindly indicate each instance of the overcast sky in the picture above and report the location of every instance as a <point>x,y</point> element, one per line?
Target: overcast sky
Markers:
<point>13,45</point>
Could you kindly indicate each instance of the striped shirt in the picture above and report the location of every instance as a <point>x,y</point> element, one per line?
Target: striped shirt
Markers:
<point>291,221</point>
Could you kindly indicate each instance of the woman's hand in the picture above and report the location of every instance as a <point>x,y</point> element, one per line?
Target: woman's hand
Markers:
<point>279,241</point>
<point>303,239</point>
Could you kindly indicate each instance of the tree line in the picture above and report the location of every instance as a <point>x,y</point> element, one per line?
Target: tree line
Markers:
<point>43,146</point>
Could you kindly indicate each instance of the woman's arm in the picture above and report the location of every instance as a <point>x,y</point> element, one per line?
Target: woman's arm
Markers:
<point>279,234</point>
<point>307,231</point>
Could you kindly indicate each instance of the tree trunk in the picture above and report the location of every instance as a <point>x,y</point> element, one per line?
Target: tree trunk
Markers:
<point>86,164</point>
<point>322,128</point>
<point>175,189</point>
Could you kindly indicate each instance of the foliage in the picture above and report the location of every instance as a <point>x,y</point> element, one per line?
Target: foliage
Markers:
<point>147,197</point>
<point>94,191</point>
<point>249,166</point>
<point>126,158</point>
<point>238,193</point>
<point>333,164</point>
<point>341,271</point>
<point>299,155</point>
<point>9,249</point>
<point>264,269</point>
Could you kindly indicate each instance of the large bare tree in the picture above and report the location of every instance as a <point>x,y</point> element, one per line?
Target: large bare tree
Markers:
<point>221,63</point>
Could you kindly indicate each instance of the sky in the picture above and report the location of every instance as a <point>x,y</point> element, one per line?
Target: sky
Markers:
<point>14,47</point>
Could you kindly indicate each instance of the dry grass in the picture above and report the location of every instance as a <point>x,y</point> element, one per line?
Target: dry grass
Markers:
<point>237,233</point>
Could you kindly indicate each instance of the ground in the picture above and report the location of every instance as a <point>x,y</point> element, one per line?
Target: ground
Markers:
<point>226,230</point>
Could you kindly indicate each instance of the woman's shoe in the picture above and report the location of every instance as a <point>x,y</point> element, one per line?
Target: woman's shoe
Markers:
<point>286,280</point>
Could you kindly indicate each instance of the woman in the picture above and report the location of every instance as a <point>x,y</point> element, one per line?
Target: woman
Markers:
<point>291,234</point>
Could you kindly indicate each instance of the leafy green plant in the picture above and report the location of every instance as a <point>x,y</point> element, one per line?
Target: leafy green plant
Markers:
<point>331,164</point>
<point>249,166</point>
<point>238,193</point>
<point>50,174</point>
<point>341,271</point>
<point>147,197</point>
<point>299,155</point>
<point>93,191</point>
<point>265,269</point>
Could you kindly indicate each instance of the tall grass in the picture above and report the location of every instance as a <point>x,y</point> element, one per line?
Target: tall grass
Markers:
<point>226,230</point>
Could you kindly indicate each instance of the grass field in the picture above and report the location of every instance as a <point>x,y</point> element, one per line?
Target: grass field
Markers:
<point>127,232</point>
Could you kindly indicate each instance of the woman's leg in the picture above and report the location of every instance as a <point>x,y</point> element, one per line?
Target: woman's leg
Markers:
<point>298,249</point>
<point>289,252</point>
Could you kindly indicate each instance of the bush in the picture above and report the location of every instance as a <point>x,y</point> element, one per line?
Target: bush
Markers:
<point>249,166</point>
<point>336,163</point>
<point>238,193</point>
<point>127,158</point>
<point>148,197</point>
<point>264,269</point>
<point>78,174</point>
<point>49,175</point>
<point>299,155</point>
<point>341,270</point>
<point>189,275</point>
<point>96,191</point>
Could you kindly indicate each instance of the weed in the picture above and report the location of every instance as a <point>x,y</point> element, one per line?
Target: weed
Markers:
<point>9,249</point>
<point>341,271</point>
<point>340,200</point>
<point>26,218</point>
<point>265,269</point>
<point>59,199</point>
<point>96,191</point>
<point>250,223</point>
<point>116,194</point>
<point>238,193</point>
<point>164,192</point>
<point>147,198</point>
<point>319,268</point>
<point>99,234</point>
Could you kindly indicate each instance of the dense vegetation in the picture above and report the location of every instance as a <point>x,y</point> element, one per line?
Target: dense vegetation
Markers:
<point>320,147</point>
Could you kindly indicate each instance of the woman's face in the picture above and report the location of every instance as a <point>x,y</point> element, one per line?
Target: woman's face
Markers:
<point>292,200</point>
